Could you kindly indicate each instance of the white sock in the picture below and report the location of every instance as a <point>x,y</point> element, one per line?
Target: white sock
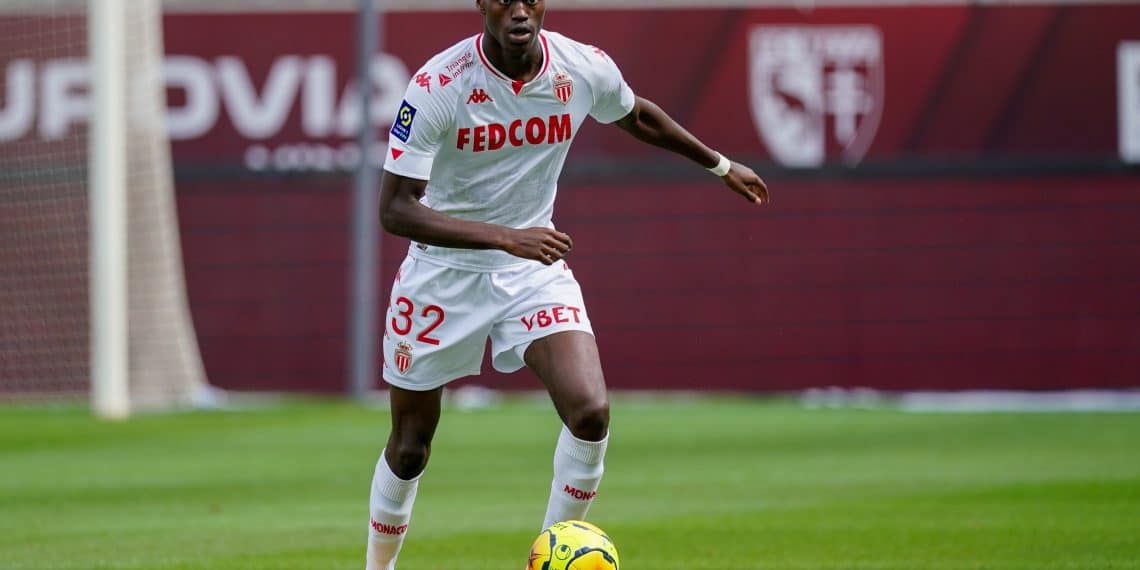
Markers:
<point>578,469</point>
<point>390,508</point>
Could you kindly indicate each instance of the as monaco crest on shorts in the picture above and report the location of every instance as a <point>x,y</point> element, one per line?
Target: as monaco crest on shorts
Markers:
<point>403,356</point>
<point>563,87</point>
<point>816,91</point>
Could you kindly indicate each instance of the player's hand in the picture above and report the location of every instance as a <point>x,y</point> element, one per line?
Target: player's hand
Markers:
<point>743,181</point>
<point>540,244</point>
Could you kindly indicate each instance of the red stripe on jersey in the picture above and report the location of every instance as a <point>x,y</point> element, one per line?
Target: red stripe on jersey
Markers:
<point>516,86</point>
<point>545,56</point>
<point>483,58</point>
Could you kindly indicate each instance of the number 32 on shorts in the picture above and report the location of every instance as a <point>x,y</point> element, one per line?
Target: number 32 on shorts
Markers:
<point>402,323</point>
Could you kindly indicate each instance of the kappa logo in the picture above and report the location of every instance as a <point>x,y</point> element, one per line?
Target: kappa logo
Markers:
<point>479,96</point>
<point>816,91</point>
<point>424,80</point>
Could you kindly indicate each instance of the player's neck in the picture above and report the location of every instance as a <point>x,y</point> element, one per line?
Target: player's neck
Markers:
<point>519,64</point>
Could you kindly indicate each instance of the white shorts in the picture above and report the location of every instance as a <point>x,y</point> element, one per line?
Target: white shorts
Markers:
<point>439,319</point>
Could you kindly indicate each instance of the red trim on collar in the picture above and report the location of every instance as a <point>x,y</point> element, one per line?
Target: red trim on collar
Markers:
<point>516,86</point>
<point>545,56</point>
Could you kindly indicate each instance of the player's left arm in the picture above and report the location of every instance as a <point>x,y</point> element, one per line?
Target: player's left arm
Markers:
<point>648,123</point>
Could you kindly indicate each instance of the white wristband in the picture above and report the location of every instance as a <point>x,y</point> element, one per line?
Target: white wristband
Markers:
<point>721,167</point>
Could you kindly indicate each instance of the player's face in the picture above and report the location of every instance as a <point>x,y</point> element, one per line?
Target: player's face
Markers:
<point>513,23</point>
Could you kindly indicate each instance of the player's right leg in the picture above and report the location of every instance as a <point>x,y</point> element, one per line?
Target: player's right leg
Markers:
<point>435,332</point>
<point>415,416</point>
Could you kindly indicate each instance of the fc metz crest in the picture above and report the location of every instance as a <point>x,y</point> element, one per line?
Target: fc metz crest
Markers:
<point>816,90</point>
<point>403,356</point>
<point>563,87</point>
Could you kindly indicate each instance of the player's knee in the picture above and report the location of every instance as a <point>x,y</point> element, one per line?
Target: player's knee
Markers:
<point>590,421</point>
<point>407,459</point>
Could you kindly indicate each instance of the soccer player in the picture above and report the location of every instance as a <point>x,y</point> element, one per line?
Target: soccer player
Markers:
<point>470,177</point>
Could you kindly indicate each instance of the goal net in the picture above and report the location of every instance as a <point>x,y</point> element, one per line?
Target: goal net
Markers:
<point>47,294</point>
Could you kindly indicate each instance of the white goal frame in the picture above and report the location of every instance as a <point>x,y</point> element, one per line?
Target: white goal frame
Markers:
<point>107,168</point>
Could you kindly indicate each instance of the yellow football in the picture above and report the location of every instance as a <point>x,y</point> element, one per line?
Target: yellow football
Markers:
<point>573,545</point>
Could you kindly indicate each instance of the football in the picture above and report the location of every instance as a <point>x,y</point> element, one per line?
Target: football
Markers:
<point>573,545</point>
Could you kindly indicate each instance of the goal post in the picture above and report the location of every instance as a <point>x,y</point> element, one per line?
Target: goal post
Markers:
<point>164,364</point>
<point>93,300</point>
<point>107,167</point>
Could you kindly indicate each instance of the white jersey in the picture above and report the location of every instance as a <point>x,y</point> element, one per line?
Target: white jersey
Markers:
<point>492,148</point>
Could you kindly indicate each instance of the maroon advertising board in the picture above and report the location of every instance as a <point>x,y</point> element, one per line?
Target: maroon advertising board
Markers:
<point>920,235</point>
<point>796,87</point>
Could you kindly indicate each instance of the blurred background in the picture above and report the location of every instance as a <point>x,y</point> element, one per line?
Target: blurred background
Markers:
<point>188,220</point>
<point>956,201</point>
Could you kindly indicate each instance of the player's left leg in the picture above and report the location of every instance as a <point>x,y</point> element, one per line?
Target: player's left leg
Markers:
<point>569,366</point>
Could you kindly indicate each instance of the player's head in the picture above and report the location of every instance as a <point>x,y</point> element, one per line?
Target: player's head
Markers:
<point>514,24</point>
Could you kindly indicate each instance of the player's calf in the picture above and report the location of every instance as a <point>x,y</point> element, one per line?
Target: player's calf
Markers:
<point>390,510</point>
<point>578,469</point>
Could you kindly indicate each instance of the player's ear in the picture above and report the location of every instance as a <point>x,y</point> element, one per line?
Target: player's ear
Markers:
<point>479,5</point>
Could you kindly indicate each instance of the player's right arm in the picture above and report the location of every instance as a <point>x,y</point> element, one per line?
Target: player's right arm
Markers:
<point>422,123</point>
<point>424,120</point>
<point>402,214</point>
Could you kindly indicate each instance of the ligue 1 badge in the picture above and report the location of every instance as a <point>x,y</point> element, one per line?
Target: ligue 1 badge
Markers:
<point>563,87</point>
<point>403,356</point>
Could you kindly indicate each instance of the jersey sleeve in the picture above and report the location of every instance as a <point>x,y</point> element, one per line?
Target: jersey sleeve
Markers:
<point>613,98</point>
<point>419,128</point>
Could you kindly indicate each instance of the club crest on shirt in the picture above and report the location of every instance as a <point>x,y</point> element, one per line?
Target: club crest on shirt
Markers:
<point>402,126</point>
<point>563,87</point>
<point>403,356</point>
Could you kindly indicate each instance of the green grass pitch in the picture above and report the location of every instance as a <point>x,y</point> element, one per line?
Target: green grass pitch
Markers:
<point>689,485</point>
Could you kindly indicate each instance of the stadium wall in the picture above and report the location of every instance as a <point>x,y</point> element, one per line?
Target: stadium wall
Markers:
<point>951,209</point>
